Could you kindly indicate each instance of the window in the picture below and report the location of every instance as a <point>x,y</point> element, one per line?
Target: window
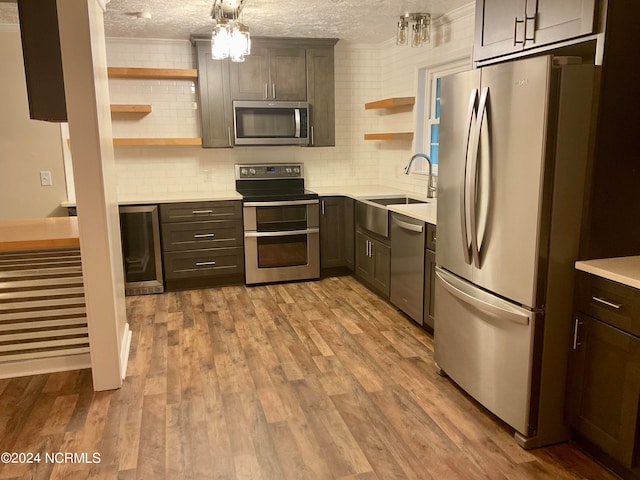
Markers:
<point>428,110</point>
<point>433,121</point>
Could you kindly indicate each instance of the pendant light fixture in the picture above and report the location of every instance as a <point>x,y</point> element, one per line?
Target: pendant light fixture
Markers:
<point>229,38</point>
<point>414,28</point>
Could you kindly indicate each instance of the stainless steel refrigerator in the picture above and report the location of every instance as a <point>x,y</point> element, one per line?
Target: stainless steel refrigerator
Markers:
<point>514,148</point>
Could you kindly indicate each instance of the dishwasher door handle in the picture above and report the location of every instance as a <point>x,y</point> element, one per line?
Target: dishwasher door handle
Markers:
<point>408,226</point>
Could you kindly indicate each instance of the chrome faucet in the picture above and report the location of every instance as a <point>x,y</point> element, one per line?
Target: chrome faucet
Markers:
<point>431,190</point>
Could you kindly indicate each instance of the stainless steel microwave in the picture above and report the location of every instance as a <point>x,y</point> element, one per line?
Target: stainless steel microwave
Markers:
<point>271,122</point>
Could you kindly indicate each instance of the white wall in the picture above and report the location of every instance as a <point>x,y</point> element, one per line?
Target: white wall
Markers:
<point>26,146</point>
<point>451,41</point>
<point>364,73</point>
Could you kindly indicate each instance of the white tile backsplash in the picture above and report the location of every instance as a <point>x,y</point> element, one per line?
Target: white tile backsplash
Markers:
<point>363,73</point>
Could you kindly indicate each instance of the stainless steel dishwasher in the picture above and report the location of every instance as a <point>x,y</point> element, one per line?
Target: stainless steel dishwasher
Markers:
<point>407,265</point>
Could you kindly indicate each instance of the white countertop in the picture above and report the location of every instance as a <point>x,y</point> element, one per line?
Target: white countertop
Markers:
<point>625,270</point>
<point>421,211</point>
<point>151,198</point>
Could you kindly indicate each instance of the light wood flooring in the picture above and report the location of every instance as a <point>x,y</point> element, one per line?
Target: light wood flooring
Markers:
<point>310,380</point>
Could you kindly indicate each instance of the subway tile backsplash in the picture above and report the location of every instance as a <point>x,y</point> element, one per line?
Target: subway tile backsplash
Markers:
<point>363,73</point>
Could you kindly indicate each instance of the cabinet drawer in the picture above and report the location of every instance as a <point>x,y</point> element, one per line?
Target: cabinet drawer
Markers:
<point>610,302</point>
<point>199,235</point>
<point>212,262</point>
<point>431,237</point>
<point>181,212</point>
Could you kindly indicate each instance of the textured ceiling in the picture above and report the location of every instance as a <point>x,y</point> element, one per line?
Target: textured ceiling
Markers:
<point>358,21</point>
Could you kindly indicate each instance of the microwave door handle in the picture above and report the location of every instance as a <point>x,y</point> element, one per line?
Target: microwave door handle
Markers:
<point>297,121</point>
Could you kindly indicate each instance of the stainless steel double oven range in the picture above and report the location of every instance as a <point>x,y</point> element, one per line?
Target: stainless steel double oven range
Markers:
<point>281,223</point>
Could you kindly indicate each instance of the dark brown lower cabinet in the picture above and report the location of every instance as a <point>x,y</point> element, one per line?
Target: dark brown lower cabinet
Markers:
<point>429,287</point>
<point>603,390</point>
<point>605,386</point>
<point>430,276</point>
<point>202,244</point>
<point>373,263</point>
<point>336,234</point>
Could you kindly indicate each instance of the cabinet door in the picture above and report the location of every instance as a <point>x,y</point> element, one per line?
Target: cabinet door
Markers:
<point>332,234</point>
<point>287,74</point>
<point>215,100</point>
<point>321,96</point>
<point>250,79</point>
<point>364,263</point>
<point>349,232</point>
<point>557,21</point>
<point>604,387</point>
<point>382,267</point>
<point>429,287</point>
<point>499,28</point>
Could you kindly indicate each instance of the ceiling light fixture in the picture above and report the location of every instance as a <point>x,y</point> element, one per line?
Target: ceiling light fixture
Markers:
<point>229,38</point>
<point>420,31</point>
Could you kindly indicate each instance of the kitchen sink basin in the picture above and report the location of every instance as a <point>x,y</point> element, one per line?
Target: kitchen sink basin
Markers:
<point>372,213</point>
<point>395,200</point>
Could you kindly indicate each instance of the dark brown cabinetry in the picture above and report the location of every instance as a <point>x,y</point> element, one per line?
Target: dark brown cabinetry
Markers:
<point>321,95</point>
<point>430,276</point>
<point>373,262</point>
<point>215,98</point>
<point>42,60</point>
<point>336,234</point>
<point>505,27</point>
<point>273,71</point>
<point>277,69</point>
<point>604,376</point>
<point>202,244</point>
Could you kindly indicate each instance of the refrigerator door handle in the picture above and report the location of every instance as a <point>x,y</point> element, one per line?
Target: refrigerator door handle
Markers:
<point>473,218</point>
<point>471,116</point>
<point>497,309</point>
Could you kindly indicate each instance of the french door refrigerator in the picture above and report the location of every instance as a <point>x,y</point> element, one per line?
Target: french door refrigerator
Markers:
<point>514,148</point>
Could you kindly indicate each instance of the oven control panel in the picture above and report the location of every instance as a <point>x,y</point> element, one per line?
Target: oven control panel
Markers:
<point>267,171</point>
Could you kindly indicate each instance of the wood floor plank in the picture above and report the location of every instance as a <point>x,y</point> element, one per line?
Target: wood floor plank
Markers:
<point>151,449</point>
<point>307,380</point>
<point>266,456</point>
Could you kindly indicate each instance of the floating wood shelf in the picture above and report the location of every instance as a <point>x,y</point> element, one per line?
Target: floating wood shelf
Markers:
<point>390,103</point>
<point>125,142</point>
<point>130,72</point>
<point>405,136</point>
<point>130,108</point>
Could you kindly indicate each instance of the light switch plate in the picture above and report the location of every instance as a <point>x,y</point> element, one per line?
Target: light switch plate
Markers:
<point>45,179</point>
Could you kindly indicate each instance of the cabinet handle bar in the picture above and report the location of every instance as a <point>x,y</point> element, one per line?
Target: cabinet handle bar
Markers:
<point>576,344</point>
<point>617,306</point>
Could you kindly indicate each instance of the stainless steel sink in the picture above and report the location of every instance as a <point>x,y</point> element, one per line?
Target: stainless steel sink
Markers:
<point>372,214</point>
<point>394,200</point>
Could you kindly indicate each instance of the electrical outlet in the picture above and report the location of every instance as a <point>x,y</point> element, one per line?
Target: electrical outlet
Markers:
<point>45,179</point>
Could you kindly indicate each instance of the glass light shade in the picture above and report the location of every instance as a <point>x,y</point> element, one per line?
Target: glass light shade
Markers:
<point>220,40</point>
<point>240,44</point>
<point>416,35</point>
<point>426,29</point>
<point>401,35</point>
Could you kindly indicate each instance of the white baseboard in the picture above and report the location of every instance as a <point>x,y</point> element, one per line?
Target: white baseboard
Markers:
<point>124,352</point>
<point>45,365</point>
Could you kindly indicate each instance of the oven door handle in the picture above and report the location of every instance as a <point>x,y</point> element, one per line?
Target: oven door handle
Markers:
<point>282,234</point>
<point>281,203</point>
